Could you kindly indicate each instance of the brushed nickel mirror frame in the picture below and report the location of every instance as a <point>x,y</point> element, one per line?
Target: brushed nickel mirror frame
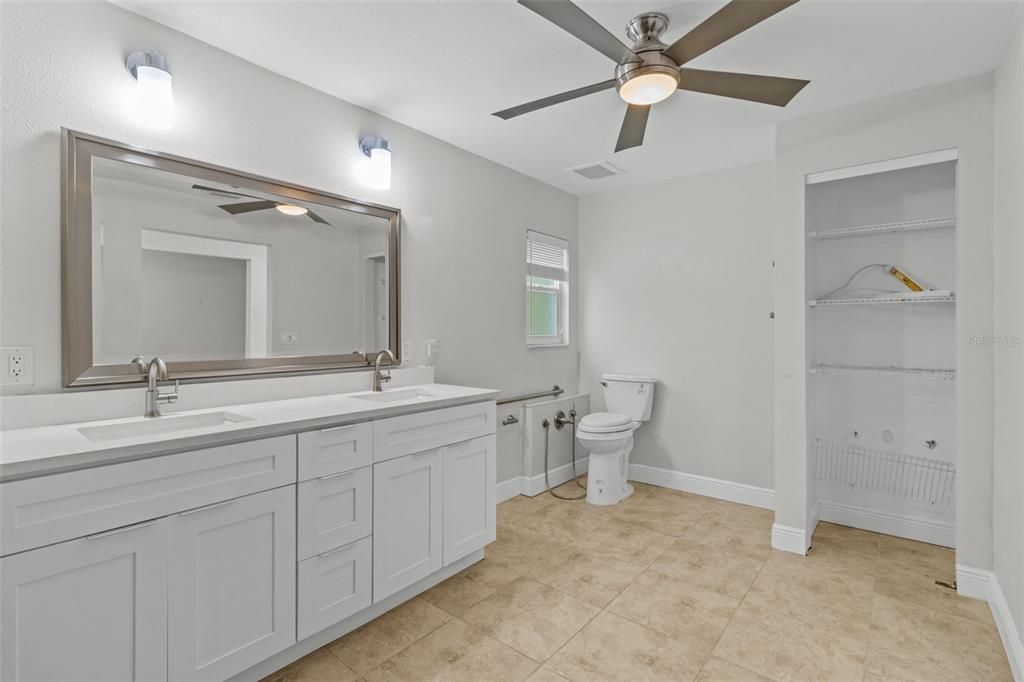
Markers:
<point>79,370</point>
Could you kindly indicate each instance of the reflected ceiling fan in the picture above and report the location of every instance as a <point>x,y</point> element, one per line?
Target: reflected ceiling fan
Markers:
<point>651,71</point>
<point>258,205</point>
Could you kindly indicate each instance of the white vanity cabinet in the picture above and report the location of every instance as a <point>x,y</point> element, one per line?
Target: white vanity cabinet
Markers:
<point>231,585</point>
<point>435,505</point>
<point>221,562</point>
<point>88,609</point>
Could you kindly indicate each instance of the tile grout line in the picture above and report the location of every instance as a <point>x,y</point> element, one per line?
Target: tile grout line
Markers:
<point>731,619</point>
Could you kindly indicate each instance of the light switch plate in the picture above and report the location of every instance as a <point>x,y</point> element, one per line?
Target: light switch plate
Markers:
<point>17,366</point>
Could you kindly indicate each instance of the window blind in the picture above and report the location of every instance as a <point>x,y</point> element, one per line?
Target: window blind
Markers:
<point>547,256</point>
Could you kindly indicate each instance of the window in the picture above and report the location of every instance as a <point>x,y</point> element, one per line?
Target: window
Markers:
<point>547,290</point>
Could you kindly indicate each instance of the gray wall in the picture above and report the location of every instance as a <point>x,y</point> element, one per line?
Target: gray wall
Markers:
<point>1008,464</point>
<point>464,218</point>
<point>197,306</point>
<point>676,280</point>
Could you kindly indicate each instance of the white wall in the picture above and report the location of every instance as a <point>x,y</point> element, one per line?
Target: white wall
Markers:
<point>464,218</point>
<point>956,114</point>
<point>676,283</point>
<point>1008,460</point>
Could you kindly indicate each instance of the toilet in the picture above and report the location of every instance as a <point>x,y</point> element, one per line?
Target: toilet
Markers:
<point>608,436</point>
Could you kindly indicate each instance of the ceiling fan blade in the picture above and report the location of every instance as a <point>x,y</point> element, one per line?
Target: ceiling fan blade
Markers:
<point>633,127</point>
<point>554,99</point>
<point>571,18</point>
<point>764,89</point>
<point>247,207</point>
<point>217,190</point>
<point>315,218</point>
<point>731,20</point>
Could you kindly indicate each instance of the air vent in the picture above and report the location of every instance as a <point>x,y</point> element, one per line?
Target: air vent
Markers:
<point>596,171</point>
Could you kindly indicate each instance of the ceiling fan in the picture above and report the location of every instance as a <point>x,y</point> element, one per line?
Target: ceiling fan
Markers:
<point>258,205</point>
<point>651,71</point>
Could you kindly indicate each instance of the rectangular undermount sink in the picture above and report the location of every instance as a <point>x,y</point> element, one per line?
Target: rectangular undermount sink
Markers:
<point>157,426</point>
<point>401,395</point>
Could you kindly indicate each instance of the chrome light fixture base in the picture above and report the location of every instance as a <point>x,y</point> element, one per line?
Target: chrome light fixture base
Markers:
<point>645,31</point>
<point>145,58</point>
<point>371,142</point>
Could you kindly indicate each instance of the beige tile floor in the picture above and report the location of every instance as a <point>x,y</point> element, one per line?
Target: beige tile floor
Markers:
<point>672,586</point>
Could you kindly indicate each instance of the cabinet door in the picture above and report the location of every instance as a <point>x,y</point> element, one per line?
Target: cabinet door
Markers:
<point>335,510</point>
<point>88,609</point>
<point>231,585</point>
<point>406,521</point>
<point>469,492</point>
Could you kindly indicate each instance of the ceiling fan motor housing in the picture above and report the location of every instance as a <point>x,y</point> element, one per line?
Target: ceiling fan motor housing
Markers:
<point>645,31</point>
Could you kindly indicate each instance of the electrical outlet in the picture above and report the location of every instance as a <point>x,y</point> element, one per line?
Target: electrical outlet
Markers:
<point>18,366</point>
<point>289,338</point>
<point>433,350</point>
<point>407,353</point>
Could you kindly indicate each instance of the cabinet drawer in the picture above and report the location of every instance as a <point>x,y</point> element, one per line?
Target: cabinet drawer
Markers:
<point>333,586</point>
<point>411,433</point>
<point>335,510</point>
<point>49,509</point>
<point>329,451</point>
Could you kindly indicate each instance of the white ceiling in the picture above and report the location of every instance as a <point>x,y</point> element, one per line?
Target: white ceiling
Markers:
<point>442,67</point>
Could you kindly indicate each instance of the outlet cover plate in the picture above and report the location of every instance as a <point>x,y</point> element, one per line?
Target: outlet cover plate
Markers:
<point>17,366</point>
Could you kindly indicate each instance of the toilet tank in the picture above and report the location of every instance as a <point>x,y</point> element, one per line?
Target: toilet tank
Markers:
<point>629,394</point>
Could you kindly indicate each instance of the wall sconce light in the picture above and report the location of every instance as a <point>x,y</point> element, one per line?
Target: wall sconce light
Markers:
<point>377,169</point>
<point>154,99</point>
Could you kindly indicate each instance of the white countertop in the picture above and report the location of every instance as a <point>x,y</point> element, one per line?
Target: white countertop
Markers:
<point>26,453</point>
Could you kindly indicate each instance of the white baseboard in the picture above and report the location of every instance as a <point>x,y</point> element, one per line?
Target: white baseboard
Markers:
<point>1008,630</point>
<point>509,489</point>
<point>923,530</point>
<point>791,539</point>
<point>531,486</point>
<point>973,582</point>
<point>702,485</point>
<point>978,583</point>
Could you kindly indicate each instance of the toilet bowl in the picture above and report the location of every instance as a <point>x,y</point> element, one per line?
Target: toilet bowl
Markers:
<point>608,436</point>
<point>609,439</point>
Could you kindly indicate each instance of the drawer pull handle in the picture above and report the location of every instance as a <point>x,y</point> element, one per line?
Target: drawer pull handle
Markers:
<point>124,529</point>
<point>324,555</point>
<point>328,476</point>
<point>339,428</point>
<point>202,509</point>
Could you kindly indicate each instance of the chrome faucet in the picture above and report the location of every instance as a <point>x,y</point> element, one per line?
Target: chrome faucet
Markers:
<point>379,378</point>
<point>155,372</point>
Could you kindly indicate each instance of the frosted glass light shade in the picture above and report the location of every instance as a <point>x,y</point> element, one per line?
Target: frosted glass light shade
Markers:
<point>377,169</point>
<point>292,209</point>
<point>155,104</point>
<point>648,88</point>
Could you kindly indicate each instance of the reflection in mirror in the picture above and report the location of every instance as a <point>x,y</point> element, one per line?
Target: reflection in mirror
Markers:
<point>190,269</point>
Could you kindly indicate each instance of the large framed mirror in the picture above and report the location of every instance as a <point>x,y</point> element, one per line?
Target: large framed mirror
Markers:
<point>219,272</point>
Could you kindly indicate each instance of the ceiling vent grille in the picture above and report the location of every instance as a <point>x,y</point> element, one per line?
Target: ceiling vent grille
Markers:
<point>596,171</point>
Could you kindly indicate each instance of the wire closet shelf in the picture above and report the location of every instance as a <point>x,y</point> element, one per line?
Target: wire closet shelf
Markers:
<point>906,477</point>
<point>880,228</point>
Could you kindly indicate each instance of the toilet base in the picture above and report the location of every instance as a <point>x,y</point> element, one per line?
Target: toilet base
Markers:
<point>606,480</point>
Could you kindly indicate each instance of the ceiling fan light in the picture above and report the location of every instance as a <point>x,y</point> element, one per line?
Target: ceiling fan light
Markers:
<point>648,88</point>
<point>292,209</point>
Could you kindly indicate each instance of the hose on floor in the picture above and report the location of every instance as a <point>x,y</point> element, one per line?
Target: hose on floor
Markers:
<point>562,421</point>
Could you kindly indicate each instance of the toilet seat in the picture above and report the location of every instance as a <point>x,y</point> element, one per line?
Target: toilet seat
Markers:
<point>605,423</point>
